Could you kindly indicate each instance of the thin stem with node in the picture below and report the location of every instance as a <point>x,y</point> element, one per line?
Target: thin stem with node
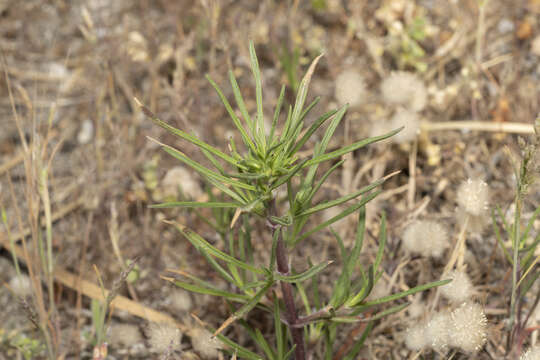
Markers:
<point>282,262</point>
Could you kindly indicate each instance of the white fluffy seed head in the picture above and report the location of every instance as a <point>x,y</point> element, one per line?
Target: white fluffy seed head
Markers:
<point>460,289</point>
<point>181,301</point>
<point>21,285</point>
<point>411,122</point>
<point>415,338</point>
<point>406,89</point>
<point>531,354</point>
<point>124,335</point>
<point>180,178</point>
<point>163,338</point>
<point>203,343</point>
<point>473,197</point>
<point>468,327</point>
<point>350,88</point>
<point>428,238</point>
<point>416,309</point>
<point>436,333</point>
<point>475,223</point>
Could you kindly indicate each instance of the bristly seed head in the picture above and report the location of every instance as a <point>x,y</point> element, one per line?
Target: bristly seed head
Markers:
<point>473,197</point>
<point>428,238</point>
<point>460,289</point>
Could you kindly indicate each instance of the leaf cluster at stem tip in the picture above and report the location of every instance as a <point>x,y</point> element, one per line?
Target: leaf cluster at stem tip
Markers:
<point>247,179</point>
<point>269,158</point>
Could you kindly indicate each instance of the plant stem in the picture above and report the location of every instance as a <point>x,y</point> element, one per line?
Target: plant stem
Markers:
<point>515,267</point>
<point>288,298</point>
<point>282,263</point>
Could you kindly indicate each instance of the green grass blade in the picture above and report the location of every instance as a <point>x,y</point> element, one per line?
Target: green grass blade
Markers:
<point>305,275</point>
<point>530,224</point>
<point>496,231</point>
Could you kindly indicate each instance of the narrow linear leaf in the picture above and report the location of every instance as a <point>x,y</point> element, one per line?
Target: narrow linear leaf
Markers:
<point>277,112</point>
<point>400,295</point>
<point>302,91</point>
<point>358,345</point>
<point>350,148</point>
<point>204,246</point>
<point>245,176</point>
<point>295,133</point>
<point>320,147</point>
<point>245,137</point>
<point>382,242</point>
<point>195,204</point>
<point>278,326</point>
<point>311,130</point>
<point>238,349</point>
<point>244,309</point>
<point>236,194</point>
<point>252,285</point>
<point>323,179</point>
<point>530,223</point>
<point>258,95</point>
<point>377,316</point>
<point>192,139</point>
<point>259,338</point>
<point>240,100</point>
<point>341,200</point>
<point>287,177</point>
<point>224,274</point>
<point>305,275</point>
<point>496,231</point>
<point>342,289</point>
<point>338,217</point>
<point>208,291</point>
<point>287,125</point>
<point>213,160</point>
<point>201,169</point>
<point>275,239</point>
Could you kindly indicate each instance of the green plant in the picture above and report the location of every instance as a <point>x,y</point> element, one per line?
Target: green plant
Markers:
<point>249,184</point>
<point>521,248</point>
